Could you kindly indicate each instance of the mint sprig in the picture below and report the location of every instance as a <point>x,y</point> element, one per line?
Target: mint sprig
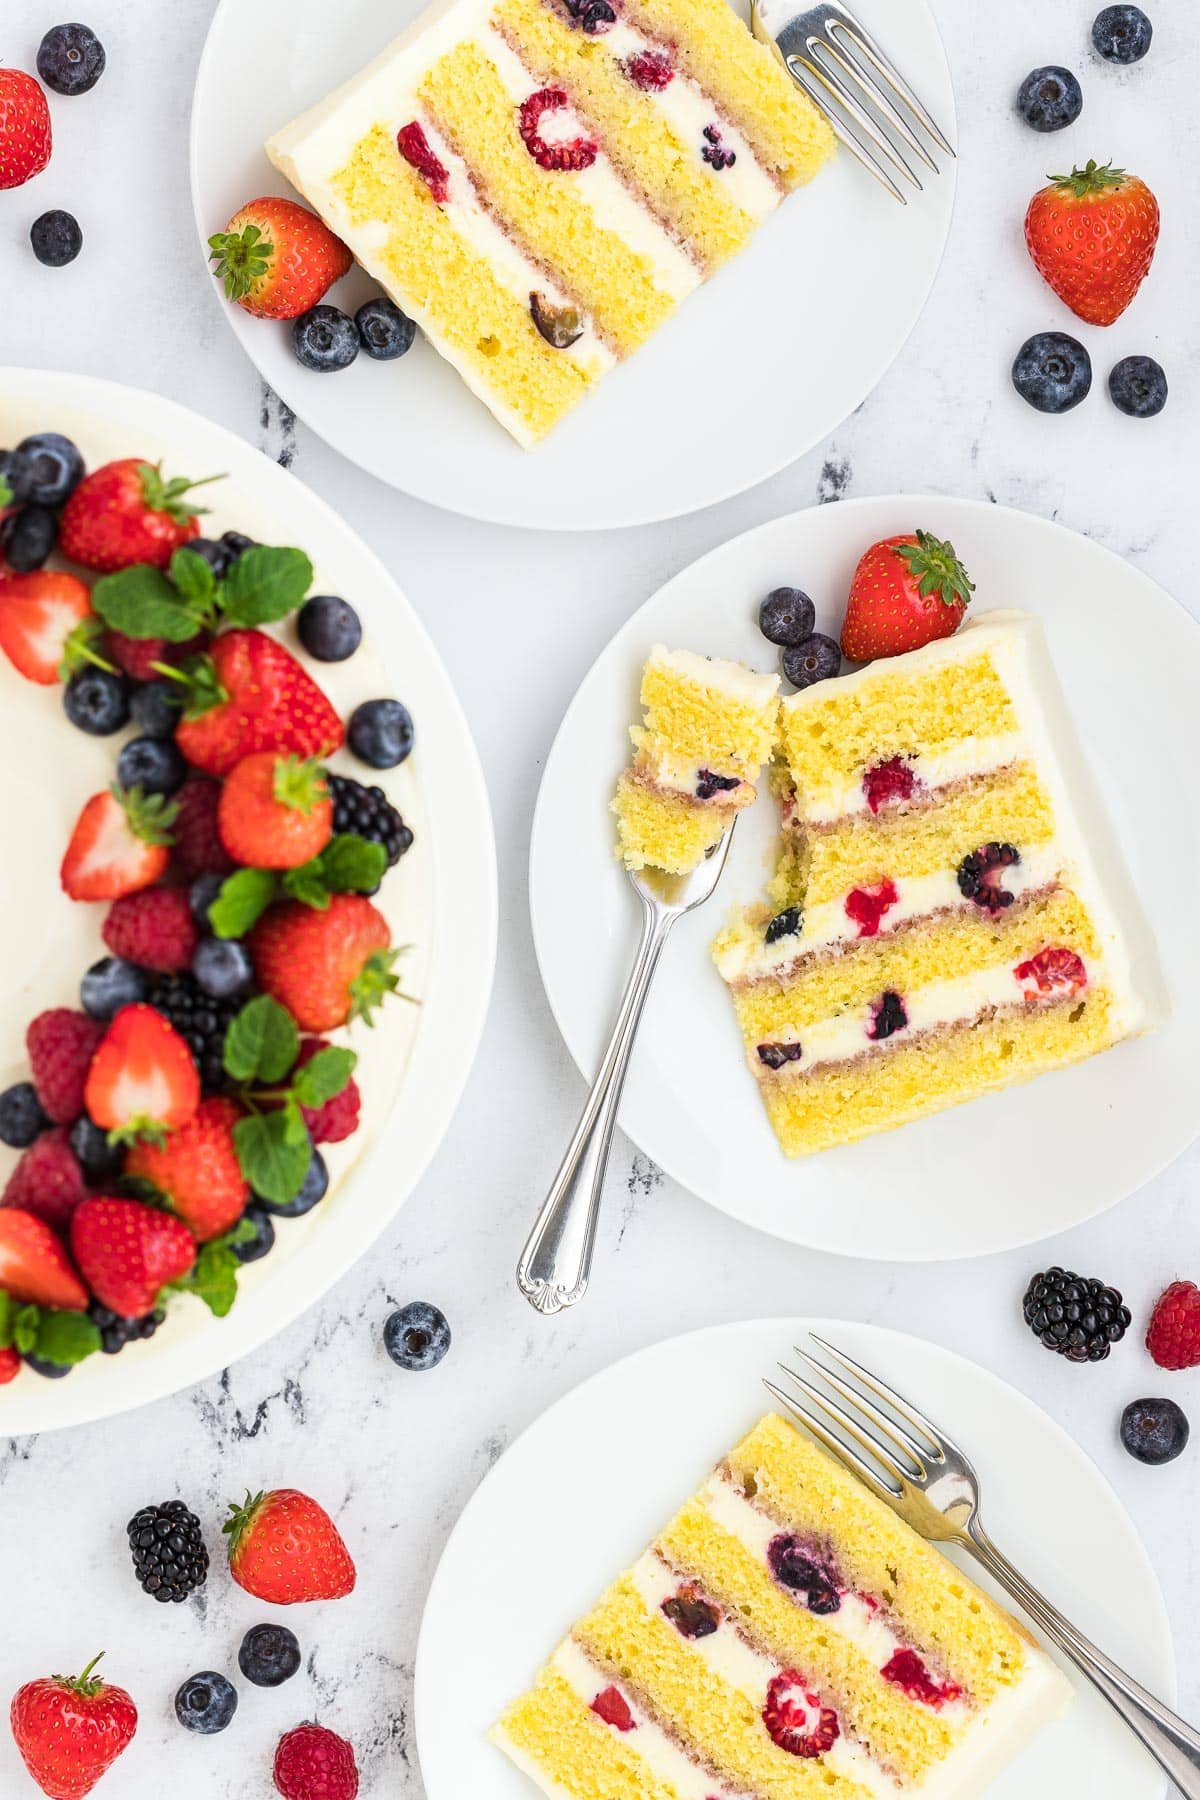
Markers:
<point>271,1141</point>
<point>264,585</point>
<point>63,1338</point>
<point>241,902</point>
<point>349,864</point>
<point>274,1158</point>
<point>213,1276</point>
<point>262,1043</point>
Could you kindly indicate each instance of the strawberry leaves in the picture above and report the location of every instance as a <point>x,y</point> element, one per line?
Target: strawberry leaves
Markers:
<point>63,1338</point>
<point>935,568</point>
<point>242,258</point>
<point>264,585</point>
<point>272,1143</point>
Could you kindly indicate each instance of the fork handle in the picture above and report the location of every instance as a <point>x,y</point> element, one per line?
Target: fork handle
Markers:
<point>556,1262</point>
<point>1173,1743</point>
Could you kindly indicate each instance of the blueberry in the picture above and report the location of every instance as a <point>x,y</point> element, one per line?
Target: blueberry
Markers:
<point>70,59</point>
<point>325,339</point>
<point>384,330</point>
<point>218,556</point>
<point>380,733</point>
<point>816,658</point>
<point>315,1184</point>
<point>98,1159</point>
<point>222,967</point>
<point>1138,386</point>
<point>97,701</point>
<point>57,467</point>
<point>27,537</point>
<point>786,616</point>
<point>1052,371</point>
<point>269,1655</point>
<point>417,1337</point>
<point>206,1703</point>
<point>201,895</point>
<point>1155,1431</point>
<point>156,708</point>
<point>784,924</point>
<point>237,544</point>
<point>152,764</point>
<point>16,474</point>
<point>329,628</point>
<point>263,1241</point>
<point>1050,98</point>
<point>1122,34</point>
<point>21,1115</point>
<point>56,238</point>
<point>111,984</point>
<point>51,1371</point>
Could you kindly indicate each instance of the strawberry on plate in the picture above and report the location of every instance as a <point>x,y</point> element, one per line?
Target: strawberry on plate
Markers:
<point>907,591</point>
<point>70,1730</point>
<point>128,1252</point>
<point>275,811</point>
<point>1092,236</point>
<point>198,1171</point>
<point>34,1267</point>
<point>125,513</point>
<point>25,136</point>
<point>119,844</point>
<point>284,1548</point>
<point>250,694</point>
<point>47,626</point>
<point>328,966</point>
<point>143,1080</point>
<point>277,259</point>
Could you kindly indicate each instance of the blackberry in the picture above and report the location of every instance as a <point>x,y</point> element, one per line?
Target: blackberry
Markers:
<point>367,812</point>
<point>169,1554</point>
<point>200,1021</point>
<point>116,1332</point>
<point>709,785</point>
<point>979,876</point>
<point>1078,1316</point>
<point>887,1016</point>
<point>784,924</point>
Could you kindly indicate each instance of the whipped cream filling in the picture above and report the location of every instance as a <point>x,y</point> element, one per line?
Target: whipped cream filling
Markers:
<point>969,757</point>
<point>682,775</point>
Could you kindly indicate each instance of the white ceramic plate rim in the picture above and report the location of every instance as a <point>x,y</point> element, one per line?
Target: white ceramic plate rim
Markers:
<point>461,965</point>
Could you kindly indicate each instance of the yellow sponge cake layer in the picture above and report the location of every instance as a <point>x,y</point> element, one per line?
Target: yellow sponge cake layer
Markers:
<point>554,1724</point>
<point>663,830</point>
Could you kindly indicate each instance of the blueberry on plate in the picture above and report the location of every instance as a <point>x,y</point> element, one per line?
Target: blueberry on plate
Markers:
<point>325,339</point>
<point>380,733</point>
<point>1138,386</point>
<point>70,59</point>
<point>21,1115</point>
<point>329,628</point>
<point>206,1703</point>
<point>262,1243</point>
<point>417,1337</point>
<point>27,538</point>
<point>222,967</point>
<point>111,984</point>
<point>56,238</point>
<point>269,1655</point>
<point>57,467</point>
<point>237,544</point>
<point>385,331</point>
<point>98,1159</point>
<point>1052,371</point>
<point>1050,98</point>
<point>316,1182</point>
<point>816,658</point>
<point>97,701</point>
<point>1154,1431</point>
<point>1122,34</point>
<point>157,707</point>
<point>152,764</point>
<point>217,555</point>
<point>786,616</point>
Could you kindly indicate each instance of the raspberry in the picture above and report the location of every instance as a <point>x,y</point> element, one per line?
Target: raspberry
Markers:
<point>153,928</point>
<point>313,1763</point>
<point>338,1118</point>
<point>415,148</point>
<point>198,848</point>
<point>137,656</point>
<point>1055,970</point>
<point>649,69</point>
<point>795,1718</point>
<point>47,1180</point>
<point>891,780</point>
<point>866,906</point>
<point>1173,1339</point>
<point>906,1671</point>
<point>60,1045</point>
<point>574,153</point>
<point>611,1706</point>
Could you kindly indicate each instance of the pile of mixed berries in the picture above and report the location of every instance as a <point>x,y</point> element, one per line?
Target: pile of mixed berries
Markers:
<point>177,1113</point>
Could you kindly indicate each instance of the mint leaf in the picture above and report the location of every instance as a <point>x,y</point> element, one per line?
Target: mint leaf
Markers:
<point>243,899</point>
<point>66,1338</point>
<point>273,1162</point>
<point>262,1042</point>
<point>295,1131</point>
<point>8,1313</point>
<point>353,864</point>
<point>323,1075</point>
<point>214,1274</point>
<point>25,1326</point>
<point>308,884</point>
<point>265,584</point>
<point>141,603</point>
<point>194,580</point>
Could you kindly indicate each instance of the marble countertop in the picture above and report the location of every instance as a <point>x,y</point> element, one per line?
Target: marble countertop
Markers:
<point>519,618</point>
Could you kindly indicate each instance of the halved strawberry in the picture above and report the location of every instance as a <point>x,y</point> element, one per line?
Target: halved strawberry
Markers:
<point>34,1267</point>
<point>251,694</point>
<point>129,1252</point>
<point>119,844</point>
<point>47,626</point>
<point>143,1081</point>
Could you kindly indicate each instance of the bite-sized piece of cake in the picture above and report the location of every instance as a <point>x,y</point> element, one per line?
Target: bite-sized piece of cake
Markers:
<point>940,924</point>
<point>539,183</point>
<point>710,727</point>
<point>787,1637</point>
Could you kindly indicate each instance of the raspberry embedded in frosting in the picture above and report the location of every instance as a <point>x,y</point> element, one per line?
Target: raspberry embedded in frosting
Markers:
<point>415,148</point>
<point>795,1718</point>
<point>611,1706</point>
<point>907,1671</point>
<point>865,907</point>
<point>890,780</point>
<point>649,69</point>
<point>569,154</point>
<point>1054,970</point>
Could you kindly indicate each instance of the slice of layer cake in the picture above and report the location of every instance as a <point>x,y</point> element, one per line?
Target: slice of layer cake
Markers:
<point>787,1637</point>
<point>539,183</point>
<point>709,728</point>
<point>939,925</point>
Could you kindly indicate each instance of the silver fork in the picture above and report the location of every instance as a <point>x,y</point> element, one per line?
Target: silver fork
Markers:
<point>924,1476</point>
<point>556,1262</point>
<point>845,73</point>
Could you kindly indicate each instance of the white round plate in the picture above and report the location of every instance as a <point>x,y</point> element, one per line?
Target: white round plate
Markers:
<point>759,366</point>
<point>1073,1142</point>
<point>578,1497</point>
<point>445,891</point>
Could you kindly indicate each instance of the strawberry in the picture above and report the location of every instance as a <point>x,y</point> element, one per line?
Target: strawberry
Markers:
<point>153,928</point>
<point>277,259</point>
<point>48,1180</point>
<point>907,591</point>
<point>197,1169</point>
<point>255,696</point>
<point>25,136</point>
<point>1092,235</point>
<point>47,626</point>
<point>10,1365</point>
<point>119,845</point>
<point>338,1118</point>
<point>143,1080</point>
<point>275,811</point>
<point>314,1763</point>
<point>34,1267</point>
<point>325,967</point>
<point>70,1731</point>
<point>1173,1338</point>
<point>125,513</point>
<point>128,1252</point>
<point>284,1548</point>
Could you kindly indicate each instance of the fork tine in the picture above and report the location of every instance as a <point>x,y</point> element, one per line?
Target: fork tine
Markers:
<point>834,1445</point>
<point>895,1434</point>
<point>936,1442</point>
<point>845,96</point>
<point>890,113</point>
<point>861,38</point>
<point>846,1422</point>
<point>812,85</point>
